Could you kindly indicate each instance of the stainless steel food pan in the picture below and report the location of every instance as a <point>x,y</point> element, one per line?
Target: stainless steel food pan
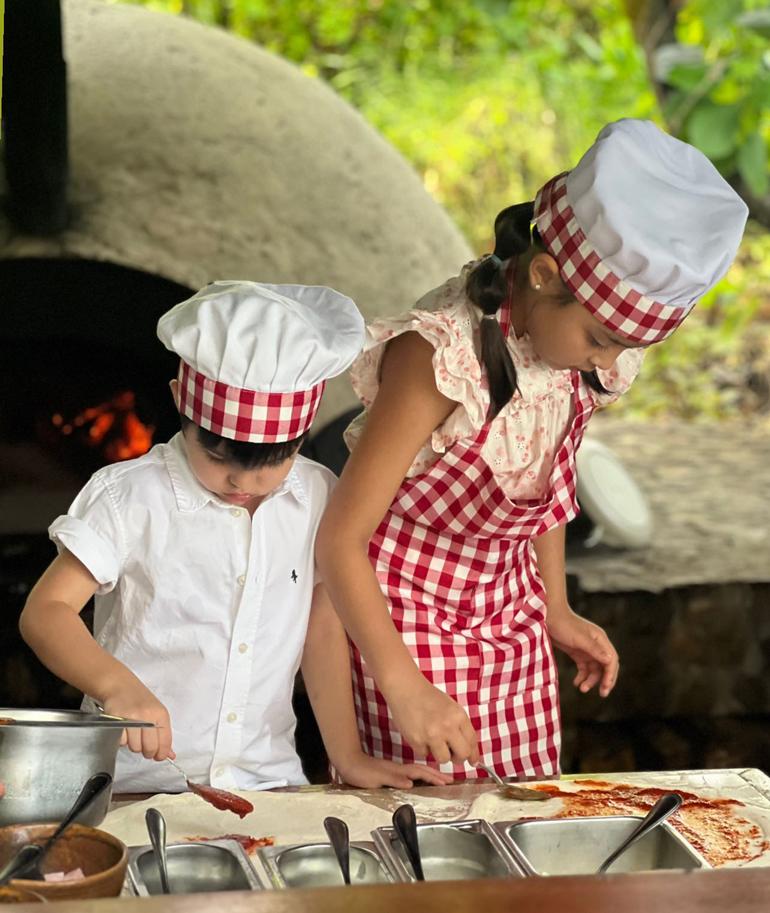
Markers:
<point>578,846</point>
<point>454,851</point>
<point>193,868</point>
<point>314,865</point>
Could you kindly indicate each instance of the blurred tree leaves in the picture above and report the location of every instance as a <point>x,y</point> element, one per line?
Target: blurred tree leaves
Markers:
<point>488,99</point>
<point>711,70</point>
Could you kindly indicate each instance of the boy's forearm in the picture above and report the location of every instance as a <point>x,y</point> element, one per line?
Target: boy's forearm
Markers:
<point>63,643</point>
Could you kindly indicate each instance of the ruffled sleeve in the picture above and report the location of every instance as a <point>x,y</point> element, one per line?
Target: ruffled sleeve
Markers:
<point>442,318</point>
<point>620,376</point>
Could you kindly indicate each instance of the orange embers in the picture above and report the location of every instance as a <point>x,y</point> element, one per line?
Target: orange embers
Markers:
<point>712,826</point>
<point>113,426</point>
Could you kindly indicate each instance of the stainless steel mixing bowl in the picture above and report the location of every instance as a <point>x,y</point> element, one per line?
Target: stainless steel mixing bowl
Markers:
<point>47,755</point>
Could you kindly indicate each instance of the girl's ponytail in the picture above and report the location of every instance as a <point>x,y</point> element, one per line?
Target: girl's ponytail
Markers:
<point>486,287</point>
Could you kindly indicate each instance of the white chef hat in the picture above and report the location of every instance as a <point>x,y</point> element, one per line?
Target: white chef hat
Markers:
<point>641,228</point>
<point>255,357</point>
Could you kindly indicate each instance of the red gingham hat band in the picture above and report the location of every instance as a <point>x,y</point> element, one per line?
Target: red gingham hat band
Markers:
<point>245,415</point>
<point>621,308</point>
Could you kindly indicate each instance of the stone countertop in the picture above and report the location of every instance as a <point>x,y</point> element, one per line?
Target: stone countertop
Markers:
<point>709,490</point>
<point>295,815</point>
<point>742,890</point>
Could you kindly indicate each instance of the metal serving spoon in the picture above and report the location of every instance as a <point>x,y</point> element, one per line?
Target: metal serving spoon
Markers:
<point>27,861</point>
<point>405,824</point>
<point>156,828</point>
<point>665,806</point>
<point>513,790</point>
<point>339,837</point>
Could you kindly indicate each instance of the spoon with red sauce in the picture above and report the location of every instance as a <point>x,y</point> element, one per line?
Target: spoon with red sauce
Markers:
<point>219,798</point>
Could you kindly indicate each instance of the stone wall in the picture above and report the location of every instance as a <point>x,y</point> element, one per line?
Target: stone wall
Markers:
<point>689,615</point>
<point>694,689</point>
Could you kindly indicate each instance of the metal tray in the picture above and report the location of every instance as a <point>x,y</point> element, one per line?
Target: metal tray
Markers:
<point>578,846</point>
<point>314,865</point>
<point>193,868</point>
<point>454,851</point>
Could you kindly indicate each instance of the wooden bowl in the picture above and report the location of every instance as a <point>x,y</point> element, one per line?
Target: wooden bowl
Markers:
<point>102,857</point>
<point>10,894</point>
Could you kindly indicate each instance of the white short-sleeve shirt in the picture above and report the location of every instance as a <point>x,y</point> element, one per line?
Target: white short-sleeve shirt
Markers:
<point>207,606</point>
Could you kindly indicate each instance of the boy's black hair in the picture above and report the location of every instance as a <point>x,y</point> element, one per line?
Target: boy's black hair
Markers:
<point>244,453</point>
<point>487,288</point>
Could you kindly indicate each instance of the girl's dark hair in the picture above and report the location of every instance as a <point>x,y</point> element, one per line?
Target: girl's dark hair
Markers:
<point>244,453</point>
<point>487,289</point>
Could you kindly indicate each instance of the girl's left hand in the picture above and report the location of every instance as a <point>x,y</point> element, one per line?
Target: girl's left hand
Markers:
<point>375,772</point>
<point>590,648</point>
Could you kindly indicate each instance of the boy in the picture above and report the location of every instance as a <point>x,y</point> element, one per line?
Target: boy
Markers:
<point>200,554</point>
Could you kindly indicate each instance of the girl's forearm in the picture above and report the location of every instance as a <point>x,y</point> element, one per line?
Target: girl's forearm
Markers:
<point>326,674</point>
<point>549,551</point>
<point>63,643</point>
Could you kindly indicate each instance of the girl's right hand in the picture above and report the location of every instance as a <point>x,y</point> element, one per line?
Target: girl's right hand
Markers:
<point>432,723</point>
<point>136,702</point>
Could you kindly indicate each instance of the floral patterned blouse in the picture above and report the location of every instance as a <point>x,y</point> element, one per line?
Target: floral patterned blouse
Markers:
<point>527,432</point>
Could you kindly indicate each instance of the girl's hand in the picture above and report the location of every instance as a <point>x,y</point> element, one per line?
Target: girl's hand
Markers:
<point>136,702</point>
<point>431,722</point>
<point>363,770</point>
<point>590,648</point>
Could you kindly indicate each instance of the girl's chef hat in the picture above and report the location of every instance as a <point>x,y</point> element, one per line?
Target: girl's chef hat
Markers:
<point>255,358</point>
<point>640,228</point>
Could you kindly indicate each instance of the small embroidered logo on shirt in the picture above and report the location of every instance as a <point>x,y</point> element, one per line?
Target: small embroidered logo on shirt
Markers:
<point>294,576</point>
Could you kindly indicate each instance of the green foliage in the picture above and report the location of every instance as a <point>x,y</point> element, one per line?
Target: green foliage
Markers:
<point>488,99</point>
<point>707,369</point>
<point>721,92</point>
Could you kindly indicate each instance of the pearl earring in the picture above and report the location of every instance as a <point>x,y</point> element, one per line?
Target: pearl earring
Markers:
<point>537,286</point>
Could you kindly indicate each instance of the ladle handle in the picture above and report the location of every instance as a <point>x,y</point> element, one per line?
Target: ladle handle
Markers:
<point>156,827</point>
<point>339,837</point>
<point>22,862</point>
<point>27,860</point>
<point>405,824</point>
<point>664,807</point>
<point>493,775</point>
<point>94,787</point>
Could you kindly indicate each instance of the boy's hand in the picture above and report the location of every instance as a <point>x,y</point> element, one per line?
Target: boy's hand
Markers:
<point>588,645</point>
<point>136,702</point>
<point>365,771</point>
<point>431,722</point>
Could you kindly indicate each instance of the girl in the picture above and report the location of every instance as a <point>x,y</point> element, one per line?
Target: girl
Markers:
<point>443,544</point>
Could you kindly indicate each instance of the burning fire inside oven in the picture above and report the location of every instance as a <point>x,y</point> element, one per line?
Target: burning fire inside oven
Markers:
<point>113,428</point>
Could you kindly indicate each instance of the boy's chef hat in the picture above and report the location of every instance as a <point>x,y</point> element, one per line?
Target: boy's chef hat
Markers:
<point>254,357</point>
<point>641,228</point>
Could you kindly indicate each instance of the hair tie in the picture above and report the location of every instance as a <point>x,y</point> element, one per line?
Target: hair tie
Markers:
<point>489,316</point>
<point>496,260</point>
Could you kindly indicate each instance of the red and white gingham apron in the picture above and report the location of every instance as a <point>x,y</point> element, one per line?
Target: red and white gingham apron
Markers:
<point>455,560</point>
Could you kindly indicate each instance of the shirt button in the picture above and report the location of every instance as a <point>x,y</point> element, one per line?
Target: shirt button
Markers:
<point>242,648</point>
<point>241,580</point>
<point>219,772</point>
<point>232,717</point>
<point>235,512</point>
